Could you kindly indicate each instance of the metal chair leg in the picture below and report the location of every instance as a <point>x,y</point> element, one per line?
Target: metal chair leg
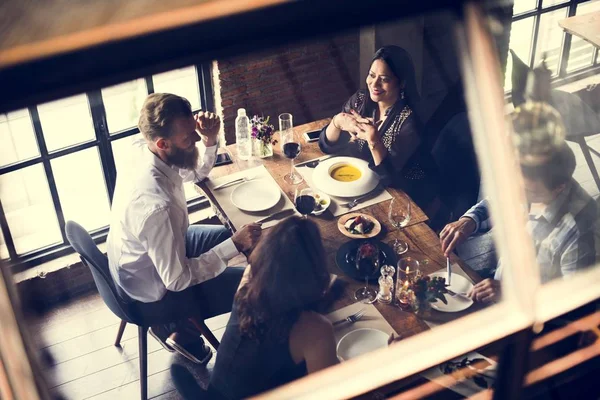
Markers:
<point>120,333</point>
<point>201,326</point>
<point>143,352</point>
<point>588,159</point>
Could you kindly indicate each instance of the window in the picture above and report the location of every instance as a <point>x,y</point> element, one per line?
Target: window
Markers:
<point>535,31</point>
<point>60,160</point>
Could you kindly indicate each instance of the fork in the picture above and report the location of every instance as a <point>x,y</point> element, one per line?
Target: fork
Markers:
<point>351,318</point>
<point>353,203</point>
<point>454,294</point>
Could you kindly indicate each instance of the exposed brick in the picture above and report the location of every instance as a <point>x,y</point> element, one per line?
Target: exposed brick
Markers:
<point>310,79</point>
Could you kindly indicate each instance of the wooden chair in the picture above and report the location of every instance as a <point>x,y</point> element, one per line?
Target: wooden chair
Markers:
<point>119,303</point>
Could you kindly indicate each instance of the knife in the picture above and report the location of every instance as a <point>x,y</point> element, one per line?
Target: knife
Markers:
<point>448,271</point>
<point>321,159</point>
<point>228,183</point>
<point>277,214</point>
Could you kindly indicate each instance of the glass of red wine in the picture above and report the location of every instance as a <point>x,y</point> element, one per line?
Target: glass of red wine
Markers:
<point>290,145</point>
<point>305,200</point>
<point>367,264</point>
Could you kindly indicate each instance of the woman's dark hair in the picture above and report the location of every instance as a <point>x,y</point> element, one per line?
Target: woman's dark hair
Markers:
<point>403,68</point>
<point>288,276</point>
<point>556,171</point>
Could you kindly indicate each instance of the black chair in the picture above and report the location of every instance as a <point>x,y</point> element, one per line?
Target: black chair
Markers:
<point>455,157</point>
<point>118,302</point>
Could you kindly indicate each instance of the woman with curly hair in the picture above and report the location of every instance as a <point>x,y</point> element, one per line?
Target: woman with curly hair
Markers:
<point>274,334</point>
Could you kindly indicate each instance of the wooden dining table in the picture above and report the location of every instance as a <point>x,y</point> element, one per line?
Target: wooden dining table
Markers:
<point>424,244</point>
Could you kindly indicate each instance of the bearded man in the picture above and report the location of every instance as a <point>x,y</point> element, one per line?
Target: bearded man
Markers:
<point>171,268</point>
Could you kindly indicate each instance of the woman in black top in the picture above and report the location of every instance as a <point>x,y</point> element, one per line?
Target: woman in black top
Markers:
<point>379,126</point>
<point>273,335</point>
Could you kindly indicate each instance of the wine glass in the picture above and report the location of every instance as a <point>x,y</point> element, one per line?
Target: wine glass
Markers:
<point>305,199</point>
<point>399,217</point>
<point>290,145</point>
<point>367,263</point>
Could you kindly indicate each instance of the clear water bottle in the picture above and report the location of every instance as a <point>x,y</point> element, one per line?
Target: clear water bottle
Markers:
<point>242,134</point>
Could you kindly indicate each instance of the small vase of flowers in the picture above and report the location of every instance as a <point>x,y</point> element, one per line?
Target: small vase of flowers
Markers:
<point>427,290</point>
<point>262,137</point>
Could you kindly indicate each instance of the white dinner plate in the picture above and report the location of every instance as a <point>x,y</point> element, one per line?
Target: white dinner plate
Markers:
<point>459,284</point>
<point>325,183</point>
<point>359,342</point>
<point>255,195</point>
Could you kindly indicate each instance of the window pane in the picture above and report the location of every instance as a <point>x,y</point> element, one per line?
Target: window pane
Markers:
<point>123,103</point>
<point>66,122</point>
<point>522,6</point>
<point>550,39</point>
<point>182,82</point>
<point>29,209</point>
<point>81,187</point>
<point>548,3</point>
<point>122,154</point>
<point>581,52</point>
<point>17,137</point>
<point>125,163</point>
<point>521,33</point>
<point>3,249</point>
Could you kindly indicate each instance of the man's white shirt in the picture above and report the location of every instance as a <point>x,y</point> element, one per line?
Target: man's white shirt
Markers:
<point>149,221</point>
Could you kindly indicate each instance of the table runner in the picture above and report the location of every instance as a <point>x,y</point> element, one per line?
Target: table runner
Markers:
<point>239,218</point>
<point>335,208</point>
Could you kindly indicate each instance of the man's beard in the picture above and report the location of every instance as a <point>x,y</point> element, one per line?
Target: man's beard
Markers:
<point>184,159</point>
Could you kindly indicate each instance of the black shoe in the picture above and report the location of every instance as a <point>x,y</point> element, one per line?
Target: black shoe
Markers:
<point>192,348</point>
<point>160,333</point>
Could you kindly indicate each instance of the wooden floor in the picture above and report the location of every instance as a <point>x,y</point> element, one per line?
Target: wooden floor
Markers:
<point>85,364</point>
<point>79,337</point>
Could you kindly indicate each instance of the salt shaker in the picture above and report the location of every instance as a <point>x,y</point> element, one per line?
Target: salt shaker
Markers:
<point>386,283</point>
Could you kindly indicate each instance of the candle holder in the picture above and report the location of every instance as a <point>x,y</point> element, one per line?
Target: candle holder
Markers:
<point>404,295</point>
<point>408,270</point>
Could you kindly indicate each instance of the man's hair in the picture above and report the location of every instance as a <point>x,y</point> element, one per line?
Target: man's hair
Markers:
<point>556,171</point>
<point>158,113</point>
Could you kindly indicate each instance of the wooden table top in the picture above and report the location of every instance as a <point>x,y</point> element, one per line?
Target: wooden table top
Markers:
<point>586,26</point>
<point>423,242</point>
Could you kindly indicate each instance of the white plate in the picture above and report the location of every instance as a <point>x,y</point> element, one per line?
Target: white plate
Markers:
<point>459,284</point>
<point>256,195</point>
<point>325,183</point>
<point>359,342</point>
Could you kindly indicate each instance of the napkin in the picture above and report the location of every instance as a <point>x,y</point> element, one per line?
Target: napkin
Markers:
<point>336,202</point>
<point>239,218</point>
<point>371,319</point>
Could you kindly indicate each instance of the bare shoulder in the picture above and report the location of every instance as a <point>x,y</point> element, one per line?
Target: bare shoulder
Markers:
<point>310,325</point>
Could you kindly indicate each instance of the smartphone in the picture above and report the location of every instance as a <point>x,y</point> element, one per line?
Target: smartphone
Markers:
<point>223,159</point>
<point>311,136</point>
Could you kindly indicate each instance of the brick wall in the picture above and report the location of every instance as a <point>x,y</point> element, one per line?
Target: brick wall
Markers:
<point>311,80</point>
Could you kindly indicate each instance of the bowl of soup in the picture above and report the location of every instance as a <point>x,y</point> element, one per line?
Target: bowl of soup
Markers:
<point>344,177</point>
<point>345,173</point>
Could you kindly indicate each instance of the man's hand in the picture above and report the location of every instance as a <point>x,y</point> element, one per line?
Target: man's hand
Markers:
<point>246,238</point>
<point>208,125</point>
<point>486,291</point>
<point>456,233</point>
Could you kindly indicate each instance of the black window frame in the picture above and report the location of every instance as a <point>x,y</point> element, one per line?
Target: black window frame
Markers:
<point>563,76</point>
<point>103,143</point>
